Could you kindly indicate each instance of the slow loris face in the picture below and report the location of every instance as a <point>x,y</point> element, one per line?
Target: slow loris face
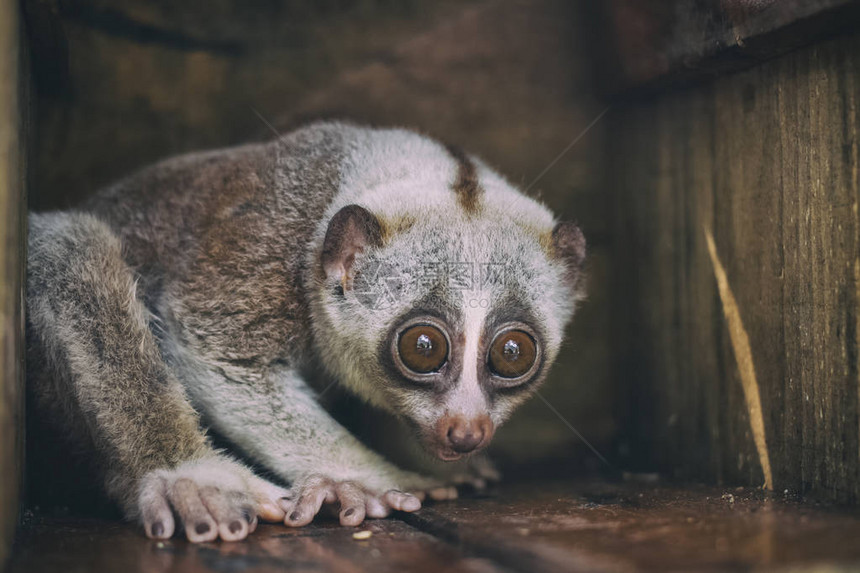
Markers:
<point>451,324</point>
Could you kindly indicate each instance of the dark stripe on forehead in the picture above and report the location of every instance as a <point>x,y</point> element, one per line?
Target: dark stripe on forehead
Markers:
<point>466,185</point>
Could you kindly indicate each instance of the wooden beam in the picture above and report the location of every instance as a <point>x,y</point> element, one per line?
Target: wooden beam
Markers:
<point>12,209</point>
<point>653,43</point>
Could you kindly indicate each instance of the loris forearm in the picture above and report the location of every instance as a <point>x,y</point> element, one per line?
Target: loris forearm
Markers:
<point>83,308</point>
<point>276,419</point>
<point>93,363</point>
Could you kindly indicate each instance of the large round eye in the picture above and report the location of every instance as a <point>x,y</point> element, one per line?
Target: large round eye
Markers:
<point>512,354</point>
<point>423,348</point>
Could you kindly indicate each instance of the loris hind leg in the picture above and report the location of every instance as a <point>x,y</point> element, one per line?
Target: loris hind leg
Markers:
<point>95,370</point>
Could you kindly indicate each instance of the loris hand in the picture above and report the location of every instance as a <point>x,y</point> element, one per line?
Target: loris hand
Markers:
<point>356,501</point>
<point>213,498</point>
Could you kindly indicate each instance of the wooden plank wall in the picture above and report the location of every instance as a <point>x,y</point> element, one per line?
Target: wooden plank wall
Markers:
<point>767,161</point>
<point>12,207</point>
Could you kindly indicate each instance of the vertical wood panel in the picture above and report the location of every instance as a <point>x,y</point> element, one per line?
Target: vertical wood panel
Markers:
<point>11,267</point>
<point>767,159</point>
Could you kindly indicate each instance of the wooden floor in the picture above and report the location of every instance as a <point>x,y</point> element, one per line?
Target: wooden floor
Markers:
<point>583,526</point>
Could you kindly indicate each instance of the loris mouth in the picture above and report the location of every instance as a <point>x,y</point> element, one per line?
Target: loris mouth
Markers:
<point>448,456</point>
<point>442,452</point>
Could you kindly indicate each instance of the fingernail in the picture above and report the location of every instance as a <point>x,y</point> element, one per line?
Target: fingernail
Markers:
<point>349,512</point>
<point>295,515</point>
<point>235,527</point>
<point>157,529</point>
<point>411,504</point>
<point>202,528</point>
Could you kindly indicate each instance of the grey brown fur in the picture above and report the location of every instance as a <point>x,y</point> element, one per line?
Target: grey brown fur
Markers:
<point>223,290</point>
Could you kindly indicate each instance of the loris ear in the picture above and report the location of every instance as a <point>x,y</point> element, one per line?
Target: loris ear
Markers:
<point>568,244</point>
<point>350,231</point>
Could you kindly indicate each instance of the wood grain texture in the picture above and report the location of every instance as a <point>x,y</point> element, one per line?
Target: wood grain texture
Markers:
<point>652,43</point>
<point>12,206</point>
<point>539,526</point>
<point>768,160</point>
<point>573,525</point>
<point>88,546</point>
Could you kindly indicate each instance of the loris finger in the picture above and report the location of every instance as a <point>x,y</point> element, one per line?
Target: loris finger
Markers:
<point>443,493</point>
<point>352,500</point>
<point>199,525</point>
<point>227,510</point>
<point>401,501</point>
<point>375,508</point>
<point>268,497</point>
<point>157,516</point>
<point>309,505</point>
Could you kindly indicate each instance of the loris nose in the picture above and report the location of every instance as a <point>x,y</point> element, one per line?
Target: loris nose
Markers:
<point>466,435</point>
